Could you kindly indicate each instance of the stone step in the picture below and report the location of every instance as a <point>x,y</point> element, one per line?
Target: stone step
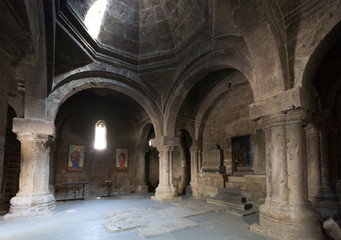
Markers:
<point>231,197</point>
<point>240,213</point>
<point>235,205</point>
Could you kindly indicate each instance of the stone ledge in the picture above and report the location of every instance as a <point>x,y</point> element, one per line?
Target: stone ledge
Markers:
<point>281,102</point>
<point>35,126</point>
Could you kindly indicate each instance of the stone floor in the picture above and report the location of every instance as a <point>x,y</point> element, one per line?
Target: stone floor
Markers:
<point>134,217</point>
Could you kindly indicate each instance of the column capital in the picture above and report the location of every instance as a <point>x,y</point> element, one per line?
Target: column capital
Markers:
<point>298,116</point>
<point>291,99</point>
<point>166,148</point>
<point>166,141</point>
<point>275,120</point>
<point>196,146</point>
<point>29,130</point>
<point>312,129</point>
<point>33,137</point>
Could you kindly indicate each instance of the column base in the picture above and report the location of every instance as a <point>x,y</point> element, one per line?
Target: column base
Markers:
<point>166,194</point>
<point>33,206</point>
<point>142,188</point>
<point>284,222</point>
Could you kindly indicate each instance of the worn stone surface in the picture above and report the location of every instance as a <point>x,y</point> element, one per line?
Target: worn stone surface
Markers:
<point>166,227</point>
<point>34,198</point>
<point>214,70</point>
<point>153,221</point>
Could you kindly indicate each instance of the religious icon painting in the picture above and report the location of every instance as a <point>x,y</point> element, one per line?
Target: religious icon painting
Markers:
<point>121,159</point>
<point>76,158</point>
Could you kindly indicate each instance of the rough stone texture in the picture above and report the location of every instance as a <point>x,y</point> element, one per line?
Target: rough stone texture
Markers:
<point>153,221</point>
<point>232,112</point>
<point>34,198</point>
<point>216,69</point>
<point>119,28</point>
<point>166,227</point>
<point>166,191</point>
<point>207,185</point>
<point>99,165</point>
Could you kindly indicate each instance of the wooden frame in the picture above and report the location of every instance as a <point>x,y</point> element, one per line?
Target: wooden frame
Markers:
<point>121,163</point>
<point>76,158</point>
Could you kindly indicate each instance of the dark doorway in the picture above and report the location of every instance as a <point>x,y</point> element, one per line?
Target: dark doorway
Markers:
<point>11,169</point>
<point>152,164</point>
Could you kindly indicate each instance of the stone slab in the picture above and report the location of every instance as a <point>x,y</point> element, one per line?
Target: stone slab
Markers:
<point>144,217</point>
<point>240,213</point>
<point>164,227</point>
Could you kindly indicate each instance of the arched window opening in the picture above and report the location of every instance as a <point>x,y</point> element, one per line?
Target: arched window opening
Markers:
<point>100,135</point>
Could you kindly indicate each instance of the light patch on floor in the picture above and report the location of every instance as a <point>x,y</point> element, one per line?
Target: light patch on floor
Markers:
<point>153,221</point>
<point>165,227</point>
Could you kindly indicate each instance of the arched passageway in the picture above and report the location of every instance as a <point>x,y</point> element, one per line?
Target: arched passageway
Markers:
<point>117,164</point>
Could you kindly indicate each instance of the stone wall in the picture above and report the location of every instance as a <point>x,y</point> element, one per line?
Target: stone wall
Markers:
<point>99,165</point>
<point>229,118</point>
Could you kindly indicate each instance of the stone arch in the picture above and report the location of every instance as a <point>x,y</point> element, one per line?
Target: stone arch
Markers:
<point>143,136</point>
<point>321,40</point>
<point>214,61</point>
<point>212,98</point>
<point>61,94</point>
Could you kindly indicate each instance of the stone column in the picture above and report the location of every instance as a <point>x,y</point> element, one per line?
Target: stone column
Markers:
<point>34,198</point>
<point>287,213</point>
<point>313,163</point>
<point>304,219</point>
<point>328,192</point>
<point>141,171</point>
<point>195,155</point>
<point>166,190</point>
<point>276,202</point>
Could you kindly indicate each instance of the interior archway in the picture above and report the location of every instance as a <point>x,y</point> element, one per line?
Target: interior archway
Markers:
<point>324,167</point>
<point>75,123</point>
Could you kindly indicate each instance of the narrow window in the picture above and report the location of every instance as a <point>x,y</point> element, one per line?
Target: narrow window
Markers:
<point>100,135</point>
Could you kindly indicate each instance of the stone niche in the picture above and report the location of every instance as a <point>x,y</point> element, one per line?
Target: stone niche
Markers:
<point>99,165</point>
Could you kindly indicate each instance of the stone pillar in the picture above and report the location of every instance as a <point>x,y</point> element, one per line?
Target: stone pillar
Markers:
<point>287,213</point>
<point>276,202</point>
<point>166,190</point>
<point>195,159</point>
<point>328,192</point>
<point>141,185</point>
<point>304,219</point>
<point>34,198</point>
<point>313,163</point>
